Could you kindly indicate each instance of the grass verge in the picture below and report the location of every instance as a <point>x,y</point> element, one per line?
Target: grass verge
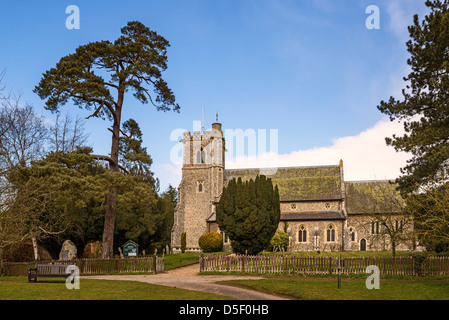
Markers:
<point>18,288</point>
<point>352,288</point>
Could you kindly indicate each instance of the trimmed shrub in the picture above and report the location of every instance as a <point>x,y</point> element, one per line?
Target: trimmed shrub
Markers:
<point>249,213</point>
<point>280,240</point>
<point>211,242</point>
<point>418,260</point>
<point>183,242</point>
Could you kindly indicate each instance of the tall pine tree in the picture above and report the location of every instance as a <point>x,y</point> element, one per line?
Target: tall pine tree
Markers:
<point>425,104</point>
<point>97,76</point>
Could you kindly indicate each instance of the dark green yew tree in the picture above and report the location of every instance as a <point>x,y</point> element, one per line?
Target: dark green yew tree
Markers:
<point>425,104</point>
<point>97,76</point>
<point>249,212</point>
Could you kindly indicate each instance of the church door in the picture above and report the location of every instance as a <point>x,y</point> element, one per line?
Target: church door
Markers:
<point>363,245</point>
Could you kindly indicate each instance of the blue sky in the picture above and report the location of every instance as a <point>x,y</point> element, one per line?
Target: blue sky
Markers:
<point>310,69</point>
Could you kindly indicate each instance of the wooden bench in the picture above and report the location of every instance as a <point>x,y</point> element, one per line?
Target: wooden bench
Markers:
<point>48,271</point>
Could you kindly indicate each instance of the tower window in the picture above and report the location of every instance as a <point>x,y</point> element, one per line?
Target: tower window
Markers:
<point>200,186</point>
<point>225,237</point>
<point>302,235</point>
<point>201,156</point>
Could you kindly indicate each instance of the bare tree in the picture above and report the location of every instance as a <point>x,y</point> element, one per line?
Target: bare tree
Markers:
<point>22,139</point>
<point>23,134</point>
<point>67,134</point>
<point>31,211</point>
<point>388,220</point>
<point>11,226</point>
<point>430,207</point>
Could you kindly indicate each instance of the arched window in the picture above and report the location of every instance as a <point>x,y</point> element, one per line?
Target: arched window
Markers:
<point>352,233</point>
<point>200,186</point>
<point>225,237</point>
<point>330,234</point>
<point>201,156</point>
<point>302,234</point>
<point>374,227</point>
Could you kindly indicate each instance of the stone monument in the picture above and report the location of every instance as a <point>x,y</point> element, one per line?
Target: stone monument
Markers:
<point>68,251</point>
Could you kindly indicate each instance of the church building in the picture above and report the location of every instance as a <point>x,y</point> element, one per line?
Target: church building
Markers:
<point>320,211</point>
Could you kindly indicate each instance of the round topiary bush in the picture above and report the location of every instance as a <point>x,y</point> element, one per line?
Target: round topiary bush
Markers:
<point>280,240</point>
<point>211,242</point>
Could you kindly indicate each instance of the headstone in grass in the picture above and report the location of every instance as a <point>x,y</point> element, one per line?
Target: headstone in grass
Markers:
<point>68,251</point>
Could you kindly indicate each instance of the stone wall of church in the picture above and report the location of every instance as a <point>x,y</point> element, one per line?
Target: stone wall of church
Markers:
<point>348,235</point>
<point>196,207</point>
<point>368,234</point>
<point>313,235</point>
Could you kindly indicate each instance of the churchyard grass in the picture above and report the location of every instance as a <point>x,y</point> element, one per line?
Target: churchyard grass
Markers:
<point>318,287</point>
<point>18,288</point>
<point>184,259</point>
<point>177,260</point>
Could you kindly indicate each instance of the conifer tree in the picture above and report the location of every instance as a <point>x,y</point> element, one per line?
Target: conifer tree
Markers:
<point>425,104</point>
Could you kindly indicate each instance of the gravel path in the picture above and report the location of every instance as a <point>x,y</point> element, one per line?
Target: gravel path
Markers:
<point>188,278</point>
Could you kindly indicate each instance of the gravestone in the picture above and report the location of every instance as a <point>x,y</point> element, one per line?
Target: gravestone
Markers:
<point>68,251</point>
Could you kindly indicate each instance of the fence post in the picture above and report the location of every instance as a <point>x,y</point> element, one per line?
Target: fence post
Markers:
<point>155,262</point>
<point>202,262</point>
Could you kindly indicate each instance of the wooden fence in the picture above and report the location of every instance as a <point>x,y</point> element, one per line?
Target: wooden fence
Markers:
<point>324,265</point>
<point>96,266</point>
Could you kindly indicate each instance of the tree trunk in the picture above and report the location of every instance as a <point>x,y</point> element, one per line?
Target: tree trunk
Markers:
<point>109,219</point>
<point>1,260</point>
<point>35,248</point>
<point>109,224</point>
<point>393,248</point>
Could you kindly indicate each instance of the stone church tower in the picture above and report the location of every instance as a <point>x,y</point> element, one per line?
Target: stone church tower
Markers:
<point>202,182</point>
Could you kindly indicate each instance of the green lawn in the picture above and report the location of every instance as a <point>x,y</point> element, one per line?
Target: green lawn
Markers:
<point>18,288</point>
<point>177,260</point>
<point>352,288</point>
<point>184,259</point>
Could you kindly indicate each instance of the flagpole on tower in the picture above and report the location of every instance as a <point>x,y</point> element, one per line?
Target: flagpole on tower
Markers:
<point>202,120</point>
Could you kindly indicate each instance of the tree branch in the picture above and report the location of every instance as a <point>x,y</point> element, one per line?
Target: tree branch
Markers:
<point>108,159</point>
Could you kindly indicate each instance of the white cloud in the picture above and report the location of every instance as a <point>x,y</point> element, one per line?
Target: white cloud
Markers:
<point>399,20</point>
<point>365,156</point>
<point>168,173</point>
<point>401,14</point>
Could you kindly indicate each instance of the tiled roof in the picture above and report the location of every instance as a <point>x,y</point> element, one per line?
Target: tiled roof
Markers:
<point>312,215</point>
<point>379,196</point>
<point>298,183</point>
